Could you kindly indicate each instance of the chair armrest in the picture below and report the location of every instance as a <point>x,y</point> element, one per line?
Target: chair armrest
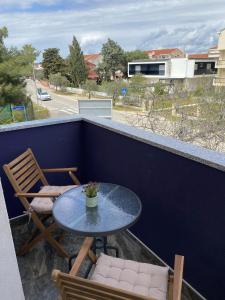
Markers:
<point>57,170</point>
<point>32,195</point>
<point>83,253</point>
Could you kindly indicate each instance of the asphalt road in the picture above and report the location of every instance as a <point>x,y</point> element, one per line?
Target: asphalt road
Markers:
<point>65,105</point>
<point>59,106</point>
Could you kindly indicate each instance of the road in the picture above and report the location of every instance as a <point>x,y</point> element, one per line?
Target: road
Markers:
<point>65,105</point>
<point>59,106</point>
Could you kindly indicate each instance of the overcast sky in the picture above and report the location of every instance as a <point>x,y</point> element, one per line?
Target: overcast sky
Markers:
<point>191,25</point>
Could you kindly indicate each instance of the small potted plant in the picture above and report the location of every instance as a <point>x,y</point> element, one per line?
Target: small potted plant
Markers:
<point>91,192</point>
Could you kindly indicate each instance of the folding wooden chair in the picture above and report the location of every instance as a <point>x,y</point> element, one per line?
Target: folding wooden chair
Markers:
<point>119,279</point>
<point>24,173</point>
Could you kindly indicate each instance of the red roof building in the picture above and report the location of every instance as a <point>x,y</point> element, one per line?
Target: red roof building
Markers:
<point>165,53</point>
<point>91,70</point>
<point>93,58</point>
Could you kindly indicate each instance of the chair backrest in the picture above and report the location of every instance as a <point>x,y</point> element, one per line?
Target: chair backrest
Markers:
<point>24,172</point>
<point>76,288</point>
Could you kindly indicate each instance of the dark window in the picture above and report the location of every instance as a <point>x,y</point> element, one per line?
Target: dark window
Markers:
<point>147,69</point>
<point>204,68</point>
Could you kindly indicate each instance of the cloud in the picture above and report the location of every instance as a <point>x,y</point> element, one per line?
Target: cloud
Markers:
<point>91,38</point>
<point>145,24</point>
<point>24,4</point>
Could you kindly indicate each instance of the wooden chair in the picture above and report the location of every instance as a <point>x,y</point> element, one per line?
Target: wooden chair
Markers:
<point>24,173</point>
<point>72,287</point>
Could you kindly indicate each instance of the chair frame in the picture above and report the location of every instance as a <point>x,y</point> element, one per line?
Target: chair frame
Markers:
<point>72,287</point>
<point>24,173</point>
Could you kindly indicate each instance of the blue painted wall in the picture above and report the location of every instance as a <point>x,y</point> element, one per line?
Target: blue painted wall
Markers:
<point>183,203</point>
<point>54,146</point>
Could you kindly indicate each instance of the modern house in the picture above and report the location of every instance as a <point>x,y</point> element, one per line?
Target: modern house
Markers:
<point>220,78</point>
<point>173,68</point>
<point>204,65</point>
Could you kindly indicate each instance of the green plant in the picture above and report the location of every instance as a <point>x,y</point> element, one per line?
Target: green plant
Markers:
<point>91,189</point>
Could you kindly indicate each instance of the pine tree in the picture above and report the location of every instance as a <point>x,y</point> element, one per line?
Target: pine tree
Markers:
<point>14,66</point>
<point>77,67</point>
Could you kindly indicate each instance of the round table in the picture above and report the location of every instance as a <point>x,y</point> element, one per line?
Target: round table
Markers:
<point>118,209</point>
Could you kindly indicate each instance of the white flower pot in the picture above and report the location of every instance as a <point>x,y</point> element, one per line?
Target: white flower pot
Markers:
<point>91,202</point>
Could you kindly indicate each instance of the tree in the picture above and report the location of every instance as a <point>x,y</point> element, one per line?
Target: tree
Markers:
<point>136,55</point>
<point>58,80</point>
<point>14,65</point>
<point>113,59</point>
<point>3,35</point>
<point>52,62</point>
<point>76,64</point>
<point>197,119</point>
<point>89,86</point>
<point>28,54</point>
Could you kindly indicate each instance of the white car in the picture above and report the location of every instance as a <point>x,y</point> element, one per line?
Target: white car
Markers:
<point>43,95</point>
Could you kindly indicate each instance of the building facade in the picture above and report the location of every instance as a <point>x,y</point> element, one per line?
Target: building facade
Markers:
<point>220,78</point>
<point>174,68</point>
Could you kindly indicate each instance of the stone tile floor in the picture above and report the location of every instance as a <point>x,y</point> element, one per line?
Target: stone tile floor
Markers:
<point>37,265</point>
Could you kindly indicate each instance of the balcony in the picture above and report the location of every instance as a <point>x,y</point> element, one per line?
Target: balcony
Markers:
<point>220,64</point>
<point>181,187</point>
<point>219,81</point>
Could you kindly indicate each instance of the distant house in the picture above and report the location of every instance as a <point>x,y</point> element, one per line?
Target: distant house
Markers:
<point>91,70</point>
<point>38,66</point>
<point>92,61</point>
<point>165,53</point>
<point>95,59</point>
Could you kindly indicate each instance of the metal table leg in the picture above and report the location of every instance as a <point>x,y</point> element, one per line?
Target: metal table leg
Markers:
<point>102,244</point>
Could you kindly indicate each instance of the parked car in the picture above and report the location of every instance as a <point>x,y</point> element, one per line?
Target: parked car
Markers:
<point>43,95</point>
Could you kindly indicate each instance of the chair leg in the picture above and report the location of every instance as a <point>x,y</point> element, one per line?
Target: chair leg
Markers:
<point>34,240</point>
<point>45,234</point>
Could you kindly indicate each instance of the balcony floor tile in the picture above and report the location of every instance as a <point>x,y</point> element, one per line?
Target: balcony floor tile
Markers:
<point>37,265</point>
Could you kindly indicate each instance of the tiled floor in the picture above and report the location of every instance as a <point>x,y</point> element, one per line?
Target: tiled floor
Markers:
<point>37,265</point>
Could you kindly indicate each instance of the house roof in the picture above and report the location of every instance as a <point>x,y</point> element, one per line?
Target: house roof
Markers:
<point>91,56</point>
<point>198,55</point>
<point>162,51</point>
<point>89,64</point>
<point>214,47</point>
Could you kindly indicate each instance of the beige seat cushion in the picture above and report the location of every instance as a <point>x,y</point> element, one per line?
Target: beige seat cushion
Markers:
<point>140,278</point>
<point>44,205</point>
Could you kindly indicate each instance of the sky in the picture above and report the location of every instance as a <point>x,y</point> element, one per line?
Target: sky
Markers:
<point>191,25</point>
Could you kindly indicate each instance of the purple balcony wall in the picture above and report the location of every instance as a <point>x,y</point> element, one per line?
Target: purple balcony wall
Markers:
<point>181,186</point>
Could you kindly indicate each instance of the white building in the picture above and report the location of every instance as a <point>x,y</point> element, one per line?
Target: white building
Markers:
<point>174,68</point>
<point>220,78</point>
